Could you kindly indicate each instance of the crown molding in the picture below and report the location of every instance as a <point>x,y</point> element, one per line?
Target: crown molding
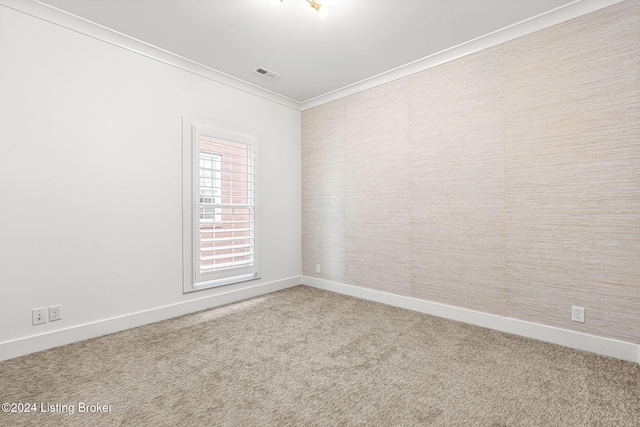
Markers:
<point>88,28</point>
<point>522,28</point>
<point>71,22</point>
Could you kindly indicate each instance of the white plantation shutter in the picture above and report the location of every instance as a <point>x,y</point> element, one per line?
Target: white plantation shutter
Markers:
<point>223,210</point>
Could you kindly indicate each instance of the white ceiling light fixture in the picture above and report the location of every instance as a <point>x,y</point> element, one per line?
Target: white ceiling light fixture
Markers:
<point>322,9</point>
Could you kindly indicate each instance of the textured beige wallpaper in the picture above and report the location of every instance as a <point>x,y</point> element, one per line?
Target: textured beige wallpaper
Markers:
<point>378,189</point>
<point>507,181</point>
<point>572,168</point>
<point>457,174</point>
<point>323,194</point>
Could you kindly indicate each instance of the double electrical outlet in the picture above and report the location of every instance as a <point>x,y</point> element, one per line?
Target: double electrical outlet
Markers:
<point>39,315</point>
<point>577,314</point>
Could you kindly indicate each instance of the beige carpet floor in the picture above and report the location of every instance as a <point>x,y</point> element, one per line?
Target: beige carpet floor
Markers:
<point>306,357</point>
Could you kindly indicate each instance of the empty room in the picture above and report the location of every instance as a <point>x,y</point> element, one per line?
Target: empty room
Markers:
<point>320,213</point>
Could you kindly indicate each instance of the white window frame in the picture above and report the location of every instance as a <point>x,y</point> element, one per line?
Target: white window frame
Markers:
<point>193,278</point>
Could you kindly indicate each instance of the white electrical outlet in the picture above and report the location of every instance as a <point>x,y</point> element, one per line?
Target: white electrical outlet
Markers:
<point>318,268</point>
<point>577,314</point>
<point>55,313</point>
<point>39,316</point>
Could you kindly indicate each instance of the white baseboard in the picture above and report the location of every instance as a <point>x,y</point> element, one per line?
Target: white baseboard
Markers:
<point>592,343</point>
<point>34,343</point>
<point>578,340</point>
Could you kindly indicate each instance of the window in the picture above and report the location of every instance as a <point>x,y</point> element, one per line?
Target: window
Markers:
<point>220,209</point>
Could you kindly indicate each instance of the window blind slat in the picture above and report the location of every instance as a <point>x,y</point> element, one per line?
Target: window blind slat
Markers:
<point>223,248</point>
<point>226,256</point>
<point>227,265</point>
<point>224,230</point>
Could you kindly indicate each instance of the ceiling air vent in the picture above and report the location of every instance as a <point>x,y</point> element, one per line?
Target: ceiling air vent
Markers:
<point>267,73</point>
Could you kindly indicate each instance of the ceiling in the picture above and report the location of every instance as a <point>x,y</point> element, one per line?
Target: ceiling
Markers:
<point>313,56</point>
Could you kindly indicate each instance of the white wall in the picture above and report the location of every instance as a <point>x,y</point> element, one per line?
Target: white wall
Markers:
<point>90,178</point>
